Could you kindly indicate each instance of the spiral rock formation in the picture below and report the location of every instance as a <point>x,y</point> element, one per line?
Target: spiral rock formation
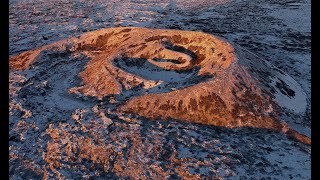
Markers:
<point>221,86</point>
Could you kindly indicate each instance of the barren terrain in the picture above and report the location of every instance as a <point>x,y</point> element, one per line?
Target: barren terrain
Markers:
<point>226,98</point>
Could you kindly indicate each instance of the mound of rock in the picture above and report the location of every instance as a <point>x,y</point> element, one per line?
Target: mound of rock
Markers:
<point>181,75</point>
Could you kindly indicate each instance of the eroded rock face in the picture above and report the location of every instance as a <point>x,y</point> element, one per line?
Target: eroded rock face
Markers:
<point>104,46</point>
<point>173,74</point>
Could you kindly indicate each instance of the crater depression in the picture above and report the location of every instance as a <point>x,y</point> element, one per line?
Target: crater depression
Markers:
<point>172,74</point>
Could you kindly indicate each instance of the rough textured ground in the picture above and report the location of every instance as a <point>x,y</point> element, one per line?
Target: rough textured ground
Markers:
<point>76,136</point>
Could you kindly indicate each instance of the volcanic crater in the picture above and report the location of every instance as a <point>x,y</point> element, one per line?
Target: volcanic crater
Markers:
<point>174,74</point>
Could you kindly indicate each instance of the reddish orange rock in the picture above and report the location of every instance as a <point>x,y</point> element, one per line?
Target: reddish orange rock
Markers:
<point>230,96</point>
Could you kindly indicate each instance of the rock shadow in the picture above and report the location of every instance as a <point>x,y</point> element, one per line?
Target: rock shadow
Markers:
<point>171,79</point>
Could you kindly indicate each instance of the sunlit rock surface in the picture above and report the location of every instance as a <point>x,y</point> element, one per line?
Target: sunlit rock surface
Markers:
<point>154,103</point>
<point>218,88</point>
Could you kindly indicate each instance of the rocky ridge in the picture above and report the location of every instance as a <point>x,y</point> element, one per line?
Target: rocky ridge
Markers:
<point>226,93</point>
